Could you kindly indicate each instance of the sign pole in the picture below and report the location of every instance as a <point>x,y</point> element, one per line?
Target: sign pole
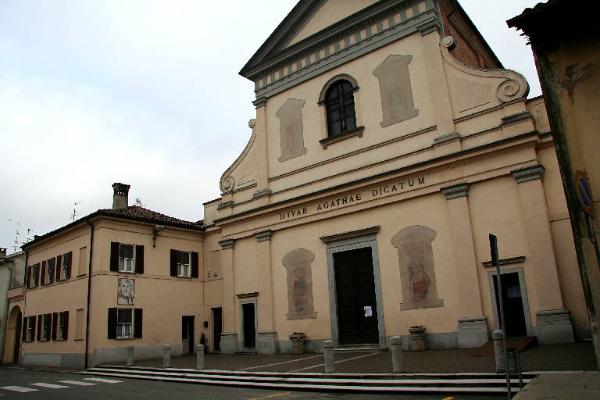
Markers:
<point>496,264</point>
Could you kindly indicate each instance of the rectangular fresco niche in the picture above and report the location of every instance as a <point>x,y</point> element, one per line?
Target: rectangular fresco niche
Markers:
<point>394,87</point>
<point>417,272</point>
<point>298,264</point>
<point>291,130</point>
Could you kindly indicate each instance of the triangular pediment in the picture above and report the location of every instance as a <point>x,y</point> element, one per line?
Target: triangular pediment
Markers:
<point>328,13</point>
<point>308,19</point>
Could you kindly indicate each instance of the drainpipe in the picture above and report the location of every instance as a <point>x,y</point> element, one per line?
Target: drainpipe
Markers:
<point>89,296</point>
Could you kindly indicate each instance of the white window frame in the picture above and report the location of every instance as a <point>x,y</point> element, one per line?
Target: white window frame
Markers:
<point>185,270</point>
<point>122,267</point>
<point>35,276</point>
<point>29,326</point>
<point>45,334</point>
<point>63,274</point>
<point>121,328</point>
<point>47,274</point>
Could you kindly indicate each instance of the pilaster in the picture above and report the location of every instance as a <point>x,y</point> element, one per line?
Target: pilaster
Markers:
<point>267,337</point>
<point>472,329</point>
<point>229,336</point>
<point>541,258</point>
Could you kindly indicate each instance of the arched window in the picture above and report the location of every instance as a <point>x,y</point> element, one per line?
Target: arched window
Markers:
<point>339,102</point>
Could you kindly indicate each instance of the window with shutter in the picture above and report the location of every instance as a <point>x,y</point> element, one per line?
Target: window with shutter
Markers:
<point>27,279</point>
<point>51,270</point>
<point>66,266</point>
<point>137,319</point>
<point>43,280</point>
<point>124,324</point>
<point>59,267</point>
<point>61,325</point>
<point>195,264</point>
<point>29,329</point>
<point>114,256</point>
<point>54,326</point>
<point>65,329</point>
<point>139,259</point>
<point>39,327</point>
<point>112,323</point>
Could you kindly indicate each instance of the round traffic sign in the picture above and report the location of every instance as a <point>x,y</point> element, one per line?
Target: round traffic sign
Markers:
<point>584,192</point>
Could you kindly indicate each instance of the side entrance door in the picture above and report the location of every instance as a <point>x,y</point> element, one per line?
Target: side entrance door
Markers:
<point>249,325</point>
<point>217,315</point>
<point>512,297</point>
<point>355,297</point>
<point>187,334</point>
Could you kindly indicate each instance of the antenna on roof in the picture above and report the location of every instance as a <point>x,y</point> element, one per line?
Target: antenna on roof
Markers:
<point>18,240</point>
<point>75,213</point>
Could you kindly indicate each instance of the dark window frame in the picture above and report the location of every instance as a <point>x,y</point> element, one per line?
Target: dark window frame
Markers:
<point>337,97</point>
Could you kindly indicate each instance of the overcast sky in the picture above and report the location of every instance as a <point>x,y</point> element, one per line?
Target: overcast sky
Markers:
<point>144,92</point>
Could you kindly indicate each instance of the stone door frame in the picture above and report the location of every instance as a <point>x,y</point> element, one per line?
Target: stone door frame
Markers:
<point>354,243</point>
<point>519,271</point>
<point>242,301</point>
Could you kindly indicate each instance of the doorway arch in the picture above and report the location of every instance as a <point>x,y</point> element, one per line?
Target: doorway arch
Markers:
<point>12,341</point>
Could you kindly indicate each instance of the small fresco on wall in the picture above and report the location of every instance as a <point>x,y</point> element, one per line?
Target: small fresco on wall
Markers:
<point>417,268</point>
<point>298,264</point>
<point>125,291</point>
<point>395,90</point>
<point>291,129</point>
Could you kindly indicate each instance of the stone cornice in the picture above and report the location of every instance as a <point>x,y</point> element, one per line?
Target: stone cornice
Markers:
<point>456,191</point>
<point>528,173</point>
<point>363,32</point>
<point>227,244</point>
<point>263,236</point>
<point>350,235</point>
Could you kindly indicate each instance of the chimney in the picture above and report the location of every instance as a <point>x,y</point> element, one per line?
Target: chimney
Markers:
<point>2,252</point>
<point>120,195</point>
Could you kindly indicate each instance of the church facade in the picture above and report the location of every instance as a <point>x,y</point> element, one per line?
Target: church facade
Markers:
<point>388,143</point>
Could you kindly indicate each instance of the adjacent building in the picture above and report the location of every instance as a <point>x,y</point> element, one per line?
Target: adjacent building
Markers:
<point>117,277</point>
<point>566,44</point>
<point>12,271</point>
<point>388,143</point>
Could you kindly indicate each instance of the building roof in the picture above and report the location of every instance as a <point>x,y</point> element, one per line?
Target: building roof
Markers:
<point>556,21</point>
<point>529,14</point>
<point>130,213</point>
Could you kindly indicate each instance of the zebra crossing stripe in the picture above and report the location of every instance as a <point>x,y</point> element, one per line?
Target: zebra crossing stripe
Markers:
<point>103,380</point>
<point>20,389</point>
<point>49,385</point>
<point>78,383</point>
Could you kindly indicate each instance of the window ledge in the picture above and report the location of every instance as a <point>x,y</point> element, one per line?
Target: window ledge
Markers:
<point>346,135</point>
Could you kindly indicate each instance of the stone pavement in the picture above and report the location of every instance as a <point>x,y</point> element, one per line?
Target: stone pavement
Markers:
<point>584,385</point>
<point>564,357</point>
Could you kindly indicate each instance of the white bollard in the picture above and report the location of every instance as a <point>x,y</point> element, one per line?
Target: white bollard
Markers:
<point>199,356</point>
<point>129,356</point>
<point>167,356</point>
<point>498,337</point>
<point>396,345</point>
<point>328,355</point>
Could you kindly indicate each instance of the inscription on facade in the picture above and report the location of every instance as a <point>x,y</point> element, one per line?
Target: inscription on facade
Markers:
<point>384,190</point>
